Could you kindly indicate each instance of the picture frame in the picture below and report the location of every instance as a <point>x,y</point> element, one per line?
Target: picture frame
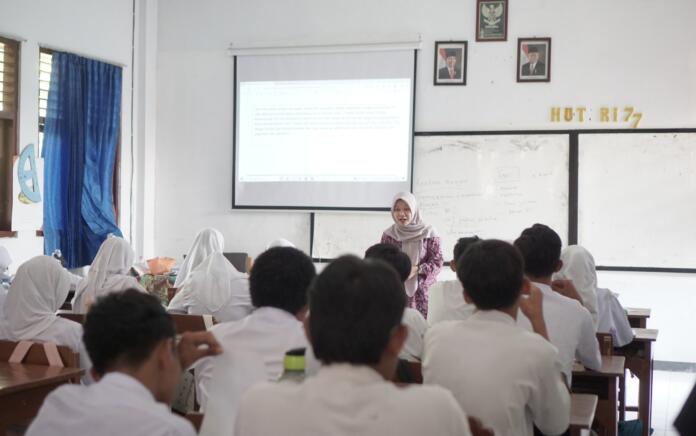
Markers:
<point>533,59</point>
<point>491,20</point>
<point>450,63</point>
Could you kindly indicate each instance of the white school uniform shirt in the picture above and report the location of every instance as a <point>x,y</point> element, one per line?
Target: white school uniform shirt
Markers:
<point>268,332</point>
<point>416,325</point>
<point>215,288</point>
<point>446,302</point>
<point>612,318</point>
<point>570,329</point>
<point>347,400</point>
<point>116,405</point>
<point>499,373</point>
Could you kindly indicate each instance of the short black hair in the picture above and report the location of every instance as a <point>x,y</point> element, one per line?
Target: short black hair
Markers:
<point>491,272</point>
<point>354,307</point>
<point>541,249</point>
<point>124,328</point>
<point>392,255</point>
<point>279,278</point>
<point>461,246</point>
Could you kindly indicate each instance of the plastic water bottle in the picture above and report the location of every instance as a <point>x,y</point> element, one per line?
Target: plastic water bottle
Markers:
<point>294,366</point>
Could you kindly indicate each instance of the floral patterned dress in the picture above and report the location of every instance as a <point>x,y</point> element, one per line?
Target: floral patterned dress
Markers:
<point>428,268</point>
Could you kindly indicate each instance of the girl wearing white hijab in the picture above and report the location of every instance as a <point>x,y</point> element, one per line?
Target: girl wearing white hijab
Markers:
<point>108,273</point>
<point>422,245</point>
<point>579,267</point>
<point>207,241</point>
<point>37,292</point>
<point>215,288</point>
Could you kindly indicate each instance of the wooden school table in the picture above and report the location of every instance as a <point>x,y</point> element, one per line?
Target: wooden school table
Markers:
<point>23,388</point>
<point>639,360</point>
<point>582,412</point>
<point>638,317</point>
<point>603,383</point>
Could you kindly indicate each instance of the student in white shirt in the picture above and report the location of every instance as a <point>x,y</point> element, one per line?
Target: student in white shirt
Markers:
<point>278,286</point>
<point>504,375</point>
<point>569,324</point>
<point>131,340</point>
<point>612,318</point>
<point>446,301</point>
<point>214,287</point>
<point>354,325</point>
<point>578,266</point>
<point>109,272</point>
<point>207,241</point>
<point>412,350</point>
<point>37,292</point>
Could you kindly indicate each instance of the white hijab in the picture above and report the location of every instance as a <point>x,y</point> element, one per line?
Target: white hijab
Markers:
<point>410,235</point>
<point>37,292</point>
<point>108,273</point>
<point>211,285</point>
<point>579,266</point>
<point>207,241</point>
<point>280,243</point>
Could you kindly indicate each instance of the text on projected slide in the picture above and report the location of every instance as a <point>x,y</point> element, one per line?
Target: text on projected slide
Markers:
<point>324,131</point>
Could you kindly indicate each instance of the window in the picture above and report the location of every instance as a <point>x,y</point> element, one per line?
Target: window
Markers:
<point>45,59</point>
<point>9,109</point>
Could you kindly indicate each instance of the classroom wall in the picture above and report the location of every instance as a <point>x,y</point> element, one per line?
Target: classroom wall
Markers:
<point>624,52</point>
<point>101,30</point>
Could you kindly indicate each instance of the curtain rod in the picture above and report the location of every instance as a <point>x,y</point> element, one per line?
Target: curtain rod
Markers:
<point>325,48</point>
<point>106,61</point>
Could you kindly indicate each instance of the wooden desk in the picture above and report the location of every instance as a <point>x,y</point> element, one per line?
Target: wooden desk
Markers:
<point>582,412</point>
<point>639,360</point>
<point>23,389</point>
<point>182,322</point>
<point>637,317</point>
<point>604,384</point>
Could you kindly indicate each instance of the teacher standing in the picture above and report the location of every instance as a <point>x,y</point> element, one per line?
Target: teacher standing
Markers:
<point>422,245</point>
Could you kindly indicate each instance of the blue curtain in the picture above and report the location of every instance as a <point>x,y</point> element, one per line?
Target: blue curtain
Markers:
<point>80,140</point>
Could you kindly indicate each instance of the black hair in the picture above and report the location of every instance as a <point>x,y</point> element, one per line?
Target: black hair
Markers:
<point>354,307</point>
<point>124,328</point>
<point>461,246</point>
<point>491,273</point>
<point>280,277</point>
<point>541,249</point>
<point>393,256</point>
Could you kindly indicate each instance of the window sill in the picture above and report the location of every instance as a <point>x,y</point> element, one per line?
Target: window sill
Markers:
<point>7,234</point>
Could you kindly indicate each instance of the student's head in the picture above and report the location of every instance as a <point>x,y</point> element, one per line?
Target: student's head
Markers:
<point>391,255</point>
<point>541,249</point>
<point>280,278</point>
<point>491,273</point>
<point>131,332</point>
<point>459,249</point>
<point>355,311</point>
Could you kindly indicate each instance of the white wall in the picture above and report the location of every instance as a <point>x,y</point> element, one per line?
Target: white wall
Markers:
<point>101,30</point>
<point>624,52</point>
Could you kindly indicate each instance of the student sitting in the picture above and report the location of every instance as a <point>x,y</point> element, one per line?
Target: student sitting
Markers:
<point>131,340</point>
<point>37,292</point>
<point>504,375</point>
<point>413,320</point>
<point>207,241</point>
<point>578,266</point>
<point>355,329</point>
<point>278,285</point>
<point>109,272</point>
<point>569,324</point>
<point>446,301</point>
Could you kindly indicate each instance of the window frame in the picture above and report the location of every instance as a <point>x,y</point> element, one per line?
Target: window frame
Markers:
<point>14,116</point>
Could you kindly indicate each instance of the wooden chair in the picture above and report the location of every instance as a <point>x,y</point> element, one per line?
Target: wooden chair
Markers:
<point>37,356</point>
<point>190,323</point>
<point>606,344</point>
<point>77,317</point>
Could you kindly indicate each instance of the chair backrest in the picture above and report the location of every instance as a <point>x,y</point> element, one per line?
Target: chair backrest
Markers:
<point>606,344</point>
<point>37,356</point>
<point>189,323</point>
<point>77,317</point>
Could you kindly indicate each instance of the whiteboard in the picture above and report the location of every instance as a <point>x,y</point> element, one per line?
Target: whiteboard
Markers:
<point>489,185</point>
<point>637,199</point>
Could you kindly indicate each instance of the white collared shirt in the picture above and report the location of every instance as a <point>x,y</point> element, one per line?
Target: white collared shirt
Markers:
<point>268,332</point>
<point>115,406</point>
<point>349,400</point>
<point>446,302</point>
<point>412,350</point>
<point>570,328</point>
<point>612,318</point>
<point>499,373</point>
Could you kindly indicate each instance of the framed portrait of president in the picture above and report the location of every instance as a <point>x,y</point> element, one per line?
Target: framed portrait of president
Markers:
<point>491,20</point>
<point>534,60</point>
<point>450,63</point>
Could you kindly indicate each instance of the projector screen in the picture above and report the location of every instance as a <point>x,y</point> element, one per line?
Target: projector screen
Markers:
<point>323,131</point>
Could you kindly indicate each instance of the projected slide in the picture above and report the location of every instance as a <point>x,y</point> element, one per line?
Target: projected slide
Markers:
<point>324,130</point>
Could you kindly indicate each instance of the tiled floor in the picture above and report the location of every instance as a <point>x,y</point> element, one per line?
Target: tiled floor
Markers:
<point>670,390</point>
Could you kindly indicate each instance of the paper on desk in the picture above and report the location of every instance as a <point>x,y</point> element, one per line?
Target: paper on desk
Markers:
<point>233,373</point>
